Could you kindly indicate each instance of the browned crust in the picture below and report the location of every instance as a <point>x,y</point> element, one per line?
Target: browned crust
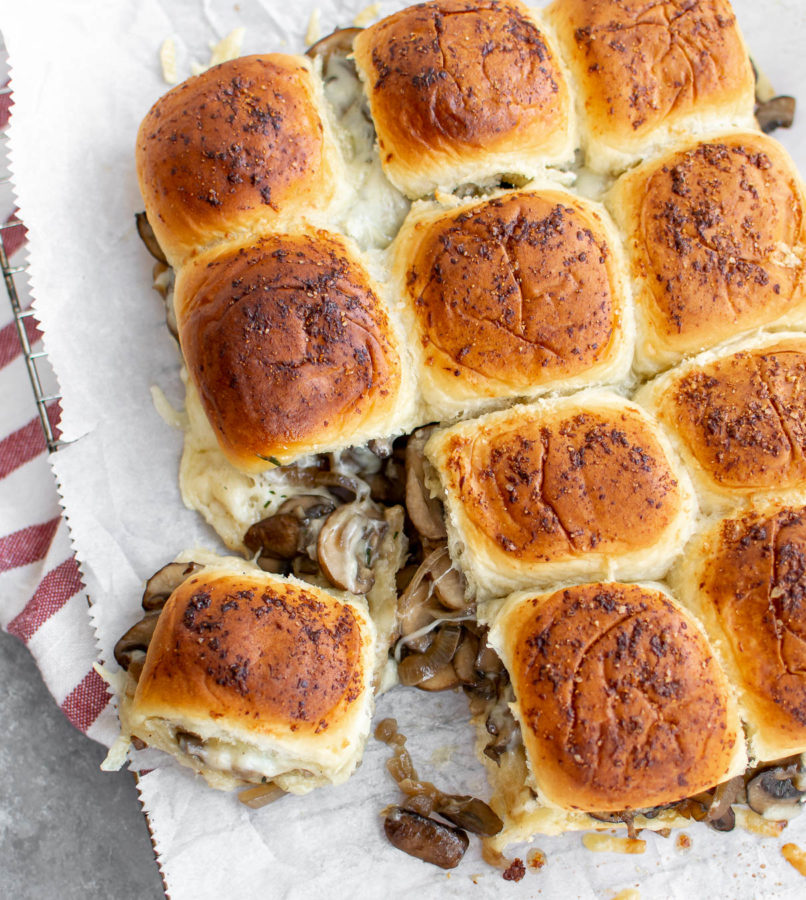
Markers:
<point>754,582</point>
<point>623,703</point>
<point>710,224</point>
<point>544,491</point>
<point>268,658</point>
<point>241,141</point>
<point>459,74</point>
<point>743,418</point>
<point>641,65</point>
<point>518,289</point>
<point>288,346</point>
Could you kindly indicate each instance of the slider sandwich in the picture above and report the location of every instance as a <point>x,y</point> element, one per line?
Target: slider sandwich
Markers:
<point>251,680</point>
<point>736,416</point>
<point>715,235</point>
<point>645,74</point>
<point>517,295</point>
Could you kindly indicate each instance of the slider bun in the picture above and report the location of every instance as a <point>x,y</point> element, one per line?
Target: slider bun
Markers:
<point>716,235</point>
<point>464,90</point>
<point>745,578</point>
<point>737,417</point>
<point>581,487</point>
<point>647,73</point>
<point>290,348</point>
<point>512,297</point>
<point>621,701</point>
<point>265,671</point>
<point>238,149</point>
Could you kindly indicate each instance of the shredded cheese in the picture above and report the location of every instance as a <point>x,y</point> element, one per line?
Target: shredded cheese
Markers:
<point>606,843</point>
<point>168,61</point>
<point>367,15</point>
<point>314,31</point>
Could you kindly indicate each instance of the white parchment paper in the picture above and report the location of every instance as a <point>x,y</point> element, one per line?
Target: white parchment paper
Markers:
<point>84,75</point>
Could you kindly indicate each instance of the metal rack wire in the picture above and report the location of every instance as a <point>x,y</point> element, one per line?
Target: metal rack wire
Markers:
<point>33,359</point>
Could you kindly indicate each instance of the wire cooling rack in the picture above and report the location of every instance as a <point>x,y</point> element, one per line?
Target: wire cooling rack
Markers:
<point>15,278</point>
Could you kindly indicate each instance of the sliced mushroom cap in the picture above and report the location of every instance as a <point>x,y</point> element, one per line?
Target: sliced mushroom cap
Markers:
<point>132,647</point>
<point>726,822</point>
<point>428,840</point>
<point>449,583</point>
<point>779,112</point>
<point>424,510</point>
<point>725,795</point>
<point>339,42</point>
<point>771,794</point>
<point>277,536</point>
<point>348,544</point>
<point>165,581</point>
<point>469,813</point>
<point>465,658</point>
<point>148,237</point>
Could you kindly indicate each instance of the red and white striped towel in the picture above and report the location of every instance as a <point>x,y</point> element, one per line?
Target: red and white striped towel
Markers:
<point>42,600</point>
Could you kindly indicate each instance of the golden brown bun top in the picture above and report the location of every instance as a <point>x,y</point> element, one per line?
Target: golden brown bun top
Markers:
<point>457,74</point>
<point>640,65</point>
<point>264,655</point>
<point>743,417</point>
<point>713,229</point>
<point>622,703</point>
<point>755,584</point>
<point>288,346</point>
<point>554,486</point>
<point>520,288</point>
<point>241,142</point>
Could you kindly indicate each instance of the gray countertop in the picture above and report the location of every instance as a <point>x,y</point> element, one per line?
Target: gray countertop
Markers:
<point>67,830</point>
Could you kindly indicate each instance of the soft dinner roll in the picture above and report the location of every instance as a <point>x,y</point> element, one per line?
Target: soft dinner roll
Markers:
<point>252,677</point>
<point>242,147</point>
<point>738,417</point>
<point>716,236</point>
<point>523,293</point>
<point>582,487</point>
<point>290,348</point>
<point>745,578</point>
<point>621,701</point>
<point>648,72</point>
<point>464,90</point>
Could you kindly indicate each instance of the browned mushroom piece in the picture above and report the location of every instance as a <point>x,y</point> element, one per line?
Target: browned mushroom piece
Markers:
<point>428,840</point>
<point>469,813</point>
<point>348,545</point>
<point>449,583</point>
<point>288,532</point>
<point>165,581</point>
<point>424,510</point>
<point>772,794</point>
<point>261,795</point>
<point>778,112</point>
<point>130,650</point>
<point>338,42</point>
<point>726,822</point>
<point>148,237</point>
<point>725,795</point>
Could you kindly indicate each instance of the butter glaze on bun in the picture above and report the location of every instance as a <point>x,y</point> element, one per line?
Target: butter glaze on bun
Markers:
<point>738,417</point>
<point>464,90</point>
<point>239,148</point>
<point>523,293</point>
<point>621,701</point>
<point>745,578</point>
<point>270,677</point>
<point>716,236</point>
<point>586,486</point>
<point>290,348</point>
<point>649,72</point>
